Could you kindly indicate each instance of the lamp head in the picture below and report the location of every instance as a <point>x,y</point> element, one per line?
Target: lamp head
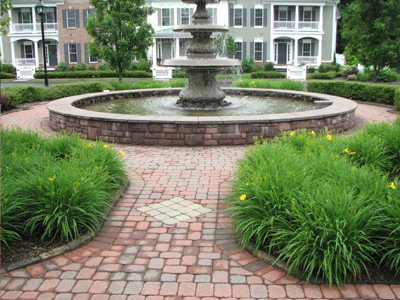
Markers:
<point>40,8</point>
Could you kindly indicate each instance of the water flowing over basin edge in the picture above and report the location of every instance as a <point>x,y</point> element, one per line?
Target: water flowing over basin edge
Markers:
<point>195,131</point>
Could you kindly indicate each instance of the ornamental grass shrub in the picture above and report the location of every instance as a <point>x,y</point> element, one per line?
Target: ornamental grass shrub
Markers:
<point>268,84</point>
<point>55,187</point>
<point>327,205</point>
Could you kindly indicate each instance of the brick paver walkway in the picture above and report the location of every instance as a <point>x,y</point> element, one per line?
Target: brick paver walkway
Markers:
<point>139,257</point>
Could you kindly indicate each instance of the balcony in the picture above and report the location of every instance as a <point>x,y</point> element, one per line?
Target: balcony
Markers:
<point>25,61</point>
<point>30,28</point>
<point>291,25</point>
<point>307,59</point>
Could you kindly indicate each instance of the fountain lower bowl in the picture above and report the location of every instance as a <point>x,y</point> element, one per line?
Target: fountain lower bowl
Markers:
<point>337,114</point>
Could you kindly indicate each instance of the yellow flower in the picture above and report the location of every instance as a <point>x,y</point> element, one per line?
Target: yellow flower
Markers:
<point>337,156</point>
<point>106,146</point>
<point>121,153</point>
<point>89,145</point>
<point>352,152</point>
<point>52,178</point>
<point>243,197</point>
<point>313,132</point>
<point>392,186</point>
<point>148,85</point>
<point>292,133</point>
<point>329,137</point>
<point>346,150</point>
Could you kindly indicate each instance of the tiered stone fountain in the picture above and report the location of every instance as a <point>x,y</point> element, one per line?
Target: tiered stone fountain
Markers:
<point>202,64</point>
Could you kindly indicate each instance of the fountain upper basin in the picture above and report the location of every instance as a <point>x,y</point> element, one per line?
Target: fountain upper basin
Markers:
<point>338,115</point>
<point>202,63</point>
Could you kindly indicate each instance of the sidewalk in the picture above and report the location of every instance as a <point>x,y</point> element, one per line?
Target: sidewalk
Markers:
<point>182,250</point>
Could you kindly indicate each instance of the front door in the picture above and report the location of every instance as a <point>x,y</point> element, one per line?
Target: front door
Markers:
<point>52,55</point>
<point>166,50</point>
<point>282,53</point>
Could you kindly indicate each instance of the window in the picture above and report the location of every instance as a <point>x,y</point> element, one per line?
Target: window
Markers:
<point>239,51</point>
<point>185,19</point>
<point>307,14</point>
<point>50,16</point>
<point>238,17</point>
<point>71,18</point>
<point>165,17</point>
<point>258,51</point>
<point>306,48</point>
<point>211,13</point>
<point>282,14</point>
<point>73,53</point>
<point>28,51</point>
<point>93,59</point>
<point>258,17</point>
<point>26,17</point>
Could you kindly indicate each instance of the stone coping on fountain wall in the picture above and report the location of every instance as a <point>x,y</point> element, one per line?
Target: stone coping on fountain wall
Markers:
<point>335,114</point>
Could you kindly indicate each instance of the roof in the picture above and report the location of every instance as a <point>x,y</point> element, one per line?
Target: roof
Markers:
<point>169,33</point>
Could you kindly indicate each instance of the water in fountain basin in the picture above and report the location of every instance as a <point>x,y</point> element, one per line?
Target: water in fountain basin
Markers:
<point>165,106</point>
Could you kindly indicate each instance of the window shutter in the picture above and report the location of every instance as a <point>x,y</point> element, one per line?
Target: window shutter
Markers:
<point>85,15</point>
<point>252,17</point>
<point>276,15</point>
<point>264,51</point>
<point>78,51</point>
<point>19,17</point>
<point>178,11</point>
<point>252,49</point>
<point>301,15</point>
<point>289,15</point>
<point>191,12</point>
<point>231,17</point>
<point>64,16</point>
<point>86,53</point>
<point>66,54</point>
<point>244,50</point>
<point>245,17</point>
<point>215,14</point>
<point>265,17</point>
<point>300,48</point>
<point>159,17</point>
<point>77,17</point>
<point>171,17</point>
<point>314,14</point>
<point>312,49</point>
<point>22,51</point>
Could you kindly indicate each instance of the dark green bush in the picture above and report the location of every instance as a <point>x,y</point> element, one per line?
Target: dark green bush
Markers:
<point>103,67</point>
<point>133,66</point>
<point>387,76</point>
<point>269,66</point>
<point>4,102</point>
<point>248,65</point>
<point>143,65</point>
<point>355,90</point>
<point>179,75</point>
<point>332,67</point>
<point>397,99</point>
<point>91,68</point>
<point>328,75</point>
<point>311,70</point>
<point>322,69</point>
<point>62,67</point>
<point>8,68</point>
<point>4,75</point>
<point>350,71</point>
<point>263,74</point>
<point>93,74</point>
<point>80,67</point>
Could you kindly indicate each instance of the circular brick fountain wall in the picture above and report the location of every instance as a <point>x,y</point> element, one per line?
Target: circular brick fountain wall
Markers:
<point>334,113</point>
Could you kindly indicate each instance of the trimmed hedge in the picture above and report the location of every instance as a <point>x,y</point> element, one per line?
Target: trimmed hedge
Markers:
<point>4,75</point>
<point>265,74</point>
<point>179,75</point>
<point>397,99</point>
<point>356,91</point>
<point>328,75</point>
<point>93,74</point>
<point>28,93</point>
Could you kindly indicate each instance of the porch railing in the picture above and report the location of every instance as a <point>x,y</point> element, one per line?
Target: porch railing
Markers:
<point>313,25</point>
<point>47,27</point>
<point>23,27</point>
<point>284,25</point>
<point>307,59</point>
<point>25,61</point>
<point>292,25</point>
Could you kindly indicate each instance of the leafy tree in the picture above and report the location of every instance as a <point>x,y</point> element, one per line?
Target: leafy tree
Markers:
<point>226,45</point>
<point>120,31</point>
<point>5,5</point>
<point>372,28</point>
<point>340,41</point>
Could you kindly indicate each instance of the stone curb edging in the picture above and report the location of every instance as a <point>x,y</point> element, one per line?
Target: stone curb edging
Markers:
<point>71,246</point>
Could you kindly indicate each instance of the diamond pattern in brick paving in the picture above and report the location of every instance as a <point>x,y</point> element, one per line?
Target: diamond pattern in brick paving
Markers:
<point>191,254</point>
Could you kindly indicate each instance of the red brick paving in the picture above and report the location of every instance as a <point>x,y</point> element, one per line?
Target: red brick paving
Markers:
<point>136,257</point>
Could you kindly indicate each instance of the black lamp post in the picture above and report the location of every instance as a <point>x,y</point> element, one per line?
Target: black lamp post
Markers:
<point>41,10</point>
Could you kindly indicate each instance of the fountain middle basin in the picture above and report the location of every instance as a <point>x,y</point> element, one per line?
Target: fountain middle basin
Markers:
<point>335,114</point>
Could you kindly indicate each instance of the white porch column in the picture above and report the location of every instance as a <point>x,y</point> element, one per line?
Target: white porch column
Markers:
<point>10,30</point>
<point>319,51</point>
<point>154,53</point>
<point>34,19</point>
<point>272,50</point>
<point>14,63</point>
<point>1,49</point>
<point>321,18</point>
<point>296,53</point>
<point>37,53</point>
<point>177,54</point>
<point>297,18</point>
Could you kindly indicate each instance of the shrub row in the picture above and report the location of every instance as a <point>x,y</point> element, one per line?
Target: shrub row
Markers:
<point>55,187</point>
<point>397,99</point>
<point>180,74</point>
<point>27,93</point>
<point>326,204</point>
<point>269,84</point>
<point>354,90</point>
<point>328,75</point>
<point>267,74</point>
<point>93,74</point>
<point>4,75</point>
